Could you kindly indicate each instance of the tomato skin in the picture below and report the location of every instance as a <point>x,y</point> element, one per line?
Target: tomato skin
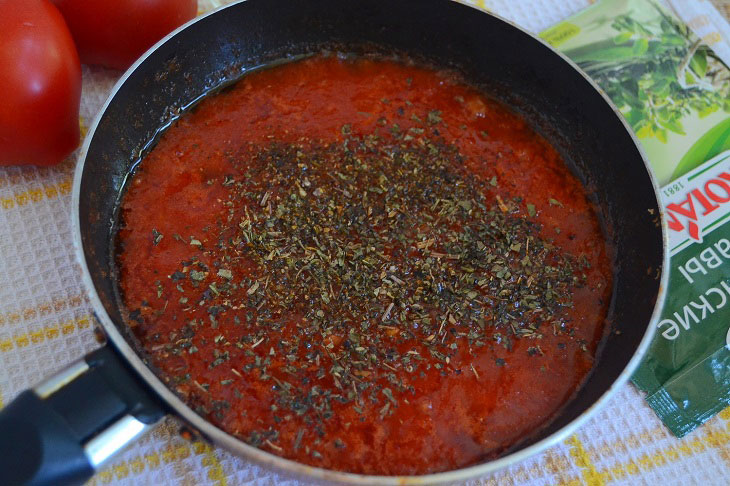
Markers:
<point>40,84</point>
<point>114,33</point>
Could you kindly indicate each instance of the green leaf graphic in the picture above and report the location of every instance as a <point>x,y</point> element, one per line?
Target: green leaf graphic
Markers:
<point>716,140</point>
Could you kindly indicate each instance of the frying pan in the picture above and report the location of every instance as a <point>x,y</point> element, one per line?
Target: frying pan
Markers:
<point>64,429</point>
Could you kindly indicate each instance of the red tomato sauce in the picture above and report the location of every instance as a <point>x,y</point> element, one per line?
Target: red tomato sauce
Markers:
<point>397,389</point>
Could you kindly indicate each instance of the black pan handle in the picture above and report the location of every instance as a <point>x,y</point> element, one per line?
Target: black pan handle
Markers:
<point>63,430</point>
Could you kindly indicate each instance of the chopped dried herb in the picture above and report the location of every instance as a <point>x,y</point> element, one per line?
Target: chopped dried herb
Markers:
<point>156,236</point>
<point>555,202</point>
<point>227,274</point>
<point>377,242</point>
<point>434,117</point>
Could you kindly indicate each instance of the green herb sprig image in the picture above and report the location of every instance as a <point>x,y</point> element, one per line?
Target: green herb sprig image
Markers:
<point>656,73</point>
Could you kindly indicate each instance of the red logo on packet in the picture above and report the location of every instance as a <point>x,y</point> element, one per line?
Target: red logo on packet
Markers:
<point>707,199</point>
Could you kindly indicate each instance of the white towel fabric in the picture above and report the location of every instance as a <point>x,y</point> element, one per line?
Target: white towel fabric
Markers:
<point>46,322</point>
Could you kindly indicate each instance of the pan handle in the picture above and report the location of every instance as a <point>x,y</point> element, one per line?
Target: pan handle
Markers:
<point>64,429</point>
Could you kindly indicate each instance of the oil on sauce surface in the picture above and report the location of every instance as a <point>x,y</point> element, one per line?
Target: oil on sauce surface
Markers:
<point>363,265</point>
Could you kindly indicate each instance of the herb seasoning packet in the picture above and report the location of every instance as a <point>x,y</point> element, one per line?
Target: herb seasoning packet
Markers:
<point>674,92</point>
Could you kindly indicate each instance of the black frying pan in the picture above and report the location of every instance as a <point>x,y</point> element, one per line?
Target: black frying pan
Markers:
<point>65,428</point>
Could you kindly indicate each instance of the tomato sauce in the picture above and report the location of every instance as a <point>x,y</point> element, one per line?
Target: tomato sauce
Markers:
<point>254,231</point>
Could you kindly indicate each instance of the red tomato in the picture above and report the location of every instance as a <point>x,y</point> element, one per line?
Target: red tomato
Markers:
<point>114,33</point>
<point>40,82</point>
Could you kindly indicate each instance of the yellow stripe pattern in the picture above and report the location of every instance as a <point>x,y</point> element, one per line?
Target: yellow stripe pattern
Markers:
<point>155,460</point>
<point>579,455</point>
<point>582,459</point>
<point>48,333</point>
<point>43,309</point>
<point>140,464</point>
<point>211,463</point>
<point>48,191</point>
<point>709,439</point>
<point>83,128</point>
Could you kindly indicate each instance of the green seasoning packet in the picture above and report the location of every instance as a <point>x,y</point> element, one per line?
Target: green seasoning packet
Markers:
<point>675,94</point>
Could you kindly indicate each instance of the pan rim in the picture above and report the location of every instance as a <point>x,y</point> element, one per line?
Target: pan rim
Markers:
<point>287,466</point>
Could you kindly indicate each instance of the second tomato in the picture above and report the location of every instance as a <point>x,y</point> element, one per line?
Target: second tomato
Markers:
<point>114,33</point>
